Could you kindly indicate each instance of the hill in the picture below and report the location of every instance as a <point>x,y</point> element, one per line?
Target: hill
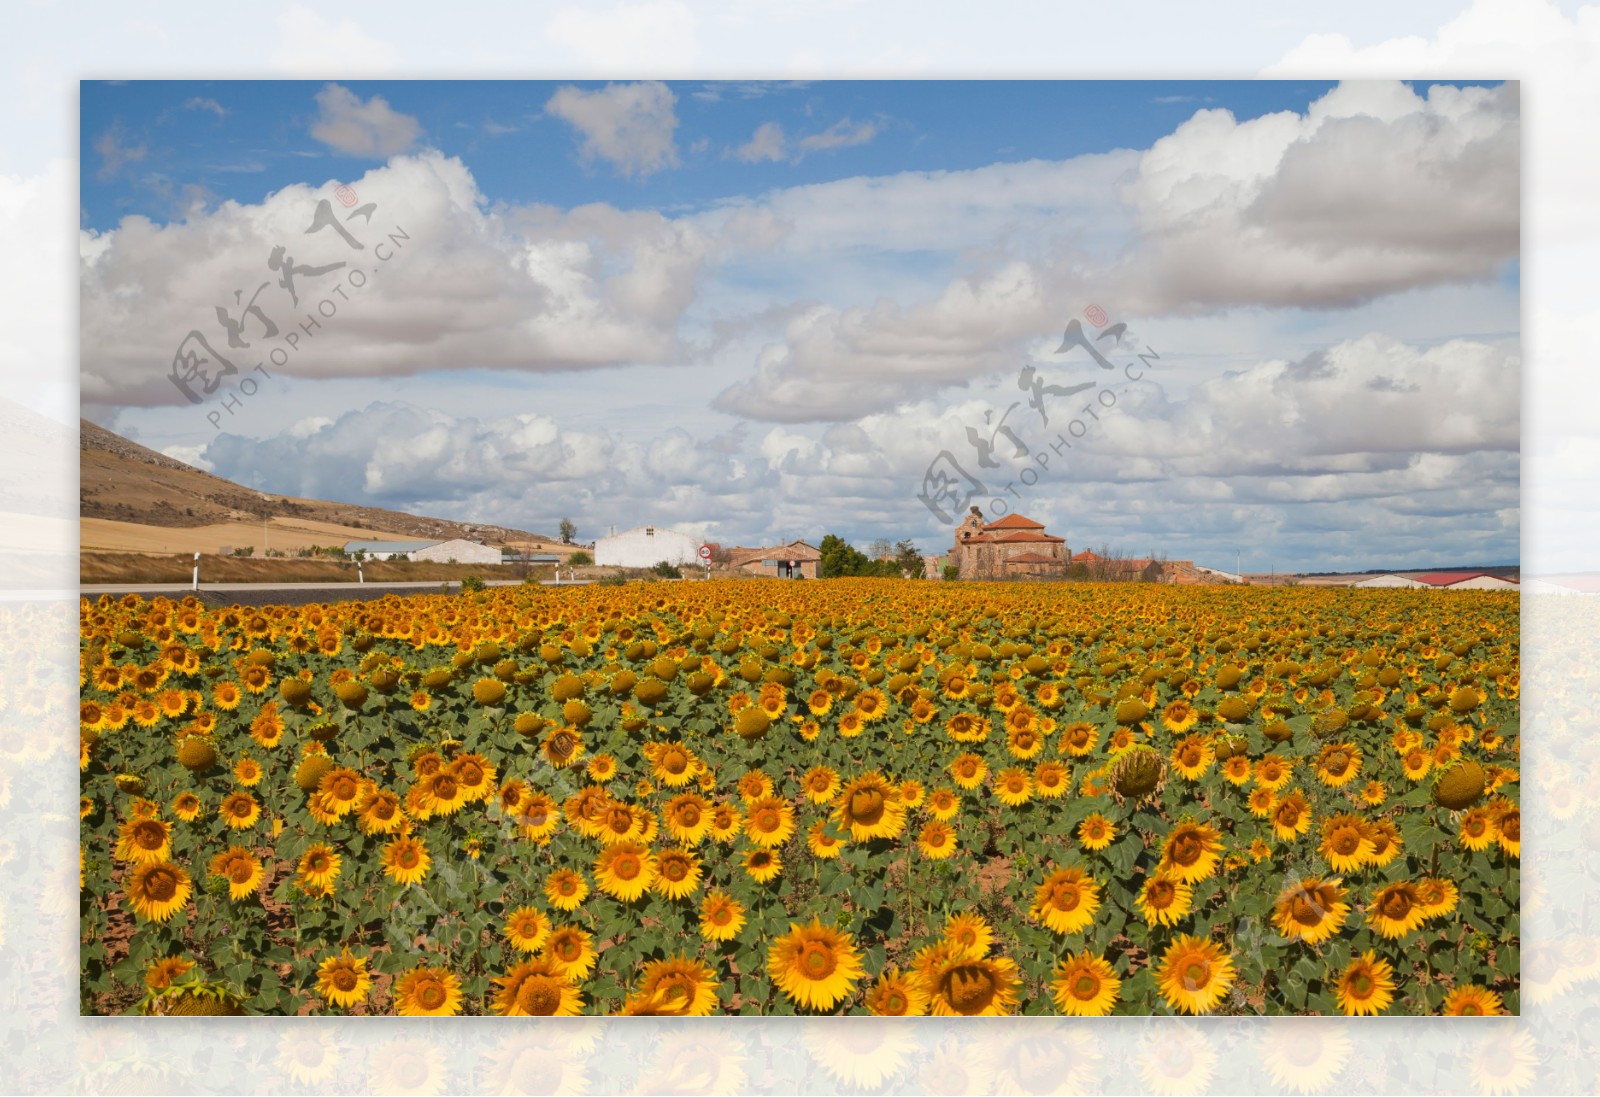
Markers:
<point>132,498</point>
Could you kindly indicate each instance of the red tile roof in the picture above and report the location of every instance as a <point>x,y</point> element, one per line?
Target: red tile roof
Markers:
<point>1014,521</point>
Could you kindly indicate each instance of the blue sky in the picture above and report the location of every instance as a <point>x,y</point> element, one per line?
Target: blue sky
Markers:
<point>764,309</point>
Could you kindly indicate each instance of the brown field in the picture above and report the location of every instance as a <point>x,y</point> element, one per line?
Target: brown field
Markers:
<point>284,534</point>
<point>133,567</point>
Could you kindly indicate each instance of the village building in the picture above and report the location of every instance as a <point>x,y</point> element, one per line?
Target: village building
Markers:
<point>645,547</point>
<point>1144,569</point>
<point>1014,547</point>
<point>796,560</point>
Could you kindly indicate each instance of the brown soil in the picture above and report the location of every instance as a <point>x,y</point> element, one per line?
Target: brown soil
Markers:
<point>133,567</point>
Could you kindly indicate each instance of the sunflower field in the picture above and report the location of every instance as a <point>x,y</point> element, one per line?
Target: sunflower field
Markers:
<point>853,796</point>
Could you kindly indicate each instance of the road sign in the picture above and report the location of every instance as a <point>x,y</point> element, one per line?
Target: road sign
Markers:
<point>705,552</point>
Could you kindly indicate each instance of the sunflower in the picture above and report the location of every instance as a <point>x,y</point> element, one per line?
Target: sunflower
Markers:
<point>1366,986</point>
<point>820,784</point>
<point>1237,770</point>
<point>240,868</point>
<point>1374,793</point>
<point>1190,851</point>
<point>570,951</point>
<point>1096,832</point>
<point>166,971</point>
<point>1337,764</point>
<point>625,870</point>
<point>870,807</point>
<point>754,785</point>
<point>721,916</point>
<point>1194,974</point>
<point>674,765</point>
<point>405,859</point>
<point>969,933</point>
<point>896,995</point>
<point>968,770</point>
<point>1051,780</point>
<point>1478,829</point>
<point>526,929</point>
<point>247,771</point>
<point>725,822</point>
<point>1311,910</point>
<point>343,980</point>
<point>815,966</point>
<point>958,984</point>
<point>1012,787</point>
<point>944,804</point>
<point>1416,763</point>
<point>936,840</point>
<point>1066,901</point>
<point>763,865</point>
<point>1023,742</point>
<point>967,727</point>
<point>1261,801</point>
<point>538,818</point>
<point>1179,716</point>
<point>1165,900</point>
<point>678,874</point>
<point>1291,817</point>
<point>380,812</point>
<point>427,992</point>
<point>566,889</point>
<point>676,986</point>
<point>146,839</point>
<point>1079,739</point>
<point>1346,845</point>
<point>1085,986</point>
<point>535,988</point>
<point>1396,910</point>
<point>1192,756</point>
<point>1273,771</point>
<point>1472,1001</point>
<point>240,810</point>
<point>157,889</point>
<point>1386,841</point>
<point>769,821</point>
<point>475,775</point>
<point>822,841</point>
<point>601,768</point>
<point>318,868</point>
<point>912,792</point>
<point>1508,831</point>
<point>1437,896</point>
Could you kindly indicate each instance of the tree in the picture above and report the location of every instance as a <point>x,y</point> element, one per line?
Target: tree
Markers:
<point>878,549</point>
<point>568,531</point>
<point>578,559</point>
<point>951,572</point>
<point>839,558</point>
<point>909,560</point>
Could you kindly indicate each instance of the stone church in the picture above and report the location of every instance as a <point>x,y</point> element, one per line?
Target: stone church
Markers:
<point>1014,547</point>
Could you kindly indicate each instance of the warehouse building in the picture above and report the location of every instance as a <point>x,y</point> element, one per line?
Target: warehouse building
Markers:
<point>455,551</point>
<point>646,546</point>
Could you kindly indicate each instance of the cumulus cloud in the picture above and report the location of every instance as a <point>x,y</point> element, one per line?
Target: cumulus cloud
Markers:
<point>766,143</point>
<point>1373,190</point>
<point>373,129</point>
<point>630,126</point>
<point>200,103</point>
<point>474,286</point>
<point>312,44</point>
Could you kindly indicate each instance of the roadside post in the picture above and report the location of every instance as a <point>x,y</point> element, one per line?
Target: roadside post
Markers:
<point>196,584</point>
<point>705,558</point>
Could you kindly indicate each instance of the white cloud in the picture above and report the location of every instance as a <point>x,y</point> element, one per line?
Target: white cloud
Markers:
<point>372,129</point>
<point>475,287</point>
<point>1374,189</point>
<point>629,36</point>
<point>842,134</point>
<point>199,103</point>
<point>628,125</point>
<point>767,143</point>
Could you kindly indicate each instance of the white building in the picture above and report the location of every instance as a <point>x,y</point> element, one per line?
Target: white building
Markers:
<point>646,546</point>
<point>1388,581</point>
<point>458,550</point>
